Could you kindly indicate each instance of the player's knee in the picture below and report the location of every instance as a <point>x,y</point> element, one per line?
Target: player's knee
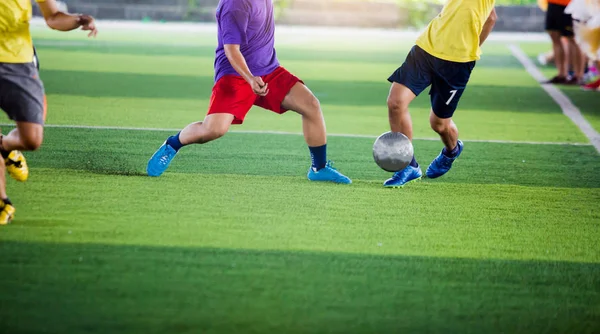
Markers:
<point>217,132</point>
<point>396,105</point>
<point>314,104</point>
<point>32,142</point>
<point>439,125</point>
<point>312,107</point>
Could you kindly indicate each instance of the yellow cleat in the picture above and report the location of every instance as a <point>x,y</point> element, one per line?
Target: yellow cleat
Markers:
<point>16,166</point>
<point>7,214</point>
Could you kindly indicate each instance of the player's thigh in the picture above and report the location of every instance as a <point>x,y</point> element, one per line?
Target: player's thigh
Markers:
<point>414,74</point>
<point>286,92</point>
<point>301,100</point>
<point>22,93</point>
<point>448,86</point>
<point>218,123</point>
<point>231,95</point>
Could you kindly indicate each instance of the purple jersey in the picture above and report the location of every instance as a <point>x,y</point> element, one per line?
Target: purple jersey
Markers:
<point>251,24</point>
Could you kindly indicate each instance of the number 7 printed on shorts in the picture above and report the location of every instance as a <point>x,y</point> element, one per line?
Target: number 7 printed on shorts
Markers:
<point>453,92</point>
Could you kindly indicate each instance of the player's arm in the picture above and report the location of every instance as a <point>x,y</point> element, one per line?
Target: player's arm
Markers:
<point>234,23</point>
<point>62,21</point>
<point>238,62</point>
<point>488,26</point>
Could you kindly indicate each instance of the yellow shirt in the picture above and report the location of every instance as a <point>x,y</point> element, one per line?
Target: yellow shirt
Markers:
<point>16,45</point>
<point>454,34</point>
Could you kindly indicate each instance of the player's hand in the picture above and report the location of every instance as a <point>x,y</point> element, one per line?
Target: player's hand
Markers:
<point>88,24</point>
<point>258,86</point>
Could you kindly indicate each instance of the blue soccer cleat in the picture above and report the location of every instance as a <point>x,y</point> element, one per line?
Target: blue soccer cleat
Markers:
<point>160,160</point>
<point>399,179</point>
<point>328,174</point>
<point>442,164</point>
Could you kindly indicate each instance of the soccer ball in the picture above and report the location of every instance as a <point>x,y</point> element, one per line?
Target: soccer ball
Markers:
<point>392,151</point>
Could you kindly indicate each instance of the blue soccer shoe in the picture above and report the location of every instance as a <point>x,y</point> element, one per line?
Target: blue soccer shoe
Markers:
<point>160,160</point>
<point>328,174</point>
<point>442,164</point>
<point>399,179</point>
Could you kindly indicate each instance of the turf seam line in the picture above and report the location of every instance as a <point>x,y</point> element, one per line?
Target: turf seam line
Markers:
<point>568,108</point>
<point>343,135</point>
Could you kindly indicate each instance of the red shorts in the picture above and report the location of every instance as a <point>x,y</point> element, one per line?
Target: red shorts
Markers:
<point>231,94</point>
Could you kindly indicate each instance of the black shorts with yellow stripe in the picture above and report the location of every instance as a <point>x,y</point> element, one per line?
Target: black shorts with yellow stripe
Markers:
<point>558,20</point>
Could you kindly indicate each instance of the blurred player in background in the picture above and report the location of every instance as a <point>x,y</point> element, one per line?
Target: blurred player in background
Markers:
<point>21,90</point>
<point>248,73</point>
<point>446,66</point>
<point>586,14</point>
<point>566,55</point>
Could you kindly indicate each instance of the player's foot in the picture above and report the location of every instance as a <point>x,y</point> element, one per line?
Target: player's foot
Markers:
<point>590,77</point>
<point>159,162</point>
<point>7,214</point>
<point>16,166</point>
<point>592,86</point>
<point>442,164</point>
<point>557,80</point>
<point>399,179</point>
<point>328,174</point>
<point>575,81</point>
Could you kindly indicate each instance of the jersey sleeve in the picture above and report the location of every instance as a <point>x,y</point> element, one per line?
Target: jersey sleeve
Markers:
<point>234,24</point>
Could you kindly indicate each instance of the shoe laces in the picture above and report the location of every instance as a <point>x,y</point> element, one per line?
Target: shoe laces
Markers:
<point>329,164</point>
<point>14,163</point>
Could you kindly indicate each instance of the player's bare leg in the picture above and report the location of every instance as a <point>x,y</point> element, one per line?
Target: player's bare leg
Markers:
<point>26,136</point>
<point>398,101</point>
<point>560,58</point>
<point>577,60</point>
<point>213,127</point>
<point>301,100</point>
<point>446,128</point>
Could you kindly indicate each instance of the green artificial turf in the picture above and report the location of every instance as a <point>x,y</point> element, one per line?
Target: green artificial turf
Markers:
<point>234,239</point>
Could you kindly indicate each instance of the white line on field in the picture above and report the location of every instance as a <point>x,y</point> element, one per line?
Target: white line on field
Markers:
<point>305,32</point>
<point>93,127</point>
<point>568,108</point>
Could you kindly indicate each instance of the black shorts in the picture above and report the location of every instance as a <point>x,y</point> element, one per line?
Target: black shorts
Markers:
<point>448,79</point>
<point>557,20</point>
<point>22,92</point>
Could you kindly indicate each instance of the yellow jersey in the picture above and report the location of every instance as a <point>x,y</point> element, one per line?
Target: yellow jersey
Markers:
<point>16,45</point>
<point>454,34</point>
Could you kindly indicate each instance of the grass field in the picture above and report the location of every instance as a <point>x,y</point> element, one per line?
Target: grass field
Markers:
<point>234,239</point>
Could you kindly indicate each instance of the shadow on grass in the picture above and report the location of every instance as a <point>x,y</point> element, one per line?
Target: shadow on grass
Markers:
<point>74,288</point>
<point>121,152</point>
